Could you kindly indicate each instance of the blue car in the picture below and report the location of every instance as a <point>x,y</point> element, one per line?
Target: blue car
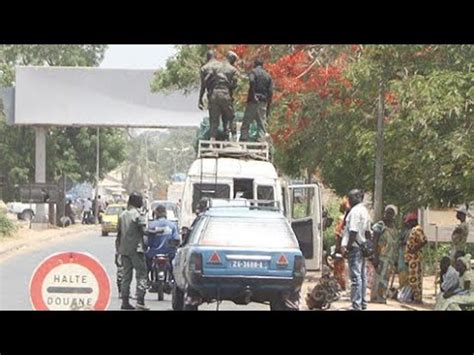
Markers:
<point>240,254</point>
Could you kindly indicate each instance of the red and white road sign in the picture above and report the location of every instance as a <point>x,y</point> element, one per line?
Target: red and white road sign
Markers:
<point>70,281</point>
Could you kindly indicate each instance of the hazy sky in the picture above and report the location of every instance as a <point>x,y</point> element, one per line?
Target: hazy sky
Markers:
<point>137,56</point>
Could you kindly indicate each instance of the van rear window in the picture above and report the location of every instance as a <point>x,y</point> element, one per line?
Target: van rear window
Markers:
<point>209,190</point>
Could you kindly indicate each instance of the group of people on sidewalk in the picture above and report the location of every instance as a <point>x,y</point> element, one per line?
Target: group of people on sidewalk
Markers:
<point>376,252</point>
<point>457,284</point>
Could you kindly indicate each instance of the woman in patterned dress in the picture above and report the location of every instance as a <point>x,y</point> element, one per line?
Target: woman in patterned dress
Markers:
<point>414,256</point>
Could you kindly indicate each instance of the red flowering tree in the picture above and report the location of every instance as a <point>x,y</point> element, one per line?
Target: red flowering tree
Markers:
<point>323,117</point>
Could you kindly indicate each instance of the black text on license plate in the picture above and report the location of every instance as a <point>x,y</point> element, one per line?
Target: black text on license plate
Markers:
<point>247,264</point>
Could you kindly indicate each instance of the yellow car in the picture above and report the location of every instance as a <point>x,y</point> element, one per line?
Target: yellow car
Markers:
<point>110,218</point>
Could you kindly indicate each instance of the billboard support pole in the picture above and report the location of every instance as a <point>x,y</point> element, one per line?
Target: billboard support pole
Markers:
<point>96,211</point>
<point>40,167</point>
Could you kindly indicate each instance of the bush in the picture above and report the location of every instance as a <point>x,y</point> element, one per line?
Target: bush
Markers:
<point>7,227</point>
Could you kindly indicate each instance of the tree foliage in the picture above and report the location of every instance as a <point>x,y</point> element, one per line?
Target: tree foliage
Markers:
<point>168,153</point>
<point>323,119</point>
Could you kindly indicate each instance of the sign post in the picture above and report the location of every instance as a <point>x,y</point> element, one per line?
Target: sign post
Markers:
<point>70,281</point>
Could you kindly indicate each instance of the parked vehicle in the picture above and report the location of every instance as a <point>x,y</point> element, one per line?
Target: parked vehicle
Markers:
<point>25,211</point>
<point>242,253</point>
<point>110,218</point>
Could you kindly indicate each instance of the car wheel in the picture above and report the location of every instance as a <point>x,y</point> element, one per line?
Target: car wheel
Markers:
<point>105,234</point>
<point>290,304</point>
<point>177,299</point>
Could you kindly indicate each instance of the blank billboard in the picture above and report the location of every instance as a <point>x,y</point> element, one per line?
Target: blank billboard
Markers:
<point>77,96</point>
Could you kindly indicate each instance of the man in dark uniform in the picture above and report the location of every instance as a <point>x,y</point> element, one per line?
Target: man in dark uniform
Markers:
<point>221,101</point>
<point>258,101</point>
<point>207,74</point>
<point>130,246</point>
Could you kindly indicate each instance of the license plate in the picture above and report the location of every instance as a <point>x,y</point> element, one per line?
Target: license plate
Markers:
<point>247,264</point>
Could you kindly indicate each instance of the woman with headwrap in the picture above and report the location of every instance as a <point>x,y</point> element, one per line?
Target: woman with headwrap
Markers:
<point>464,294</point>
<point>449,282</point>
<point>414,256</point>
<point>385,244</point>
<point>401,265</point>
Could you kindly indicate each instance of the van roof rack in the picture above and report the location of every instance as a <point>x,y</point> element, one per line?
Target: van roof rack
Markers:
<point>271,205</point>
<point>216,149</point>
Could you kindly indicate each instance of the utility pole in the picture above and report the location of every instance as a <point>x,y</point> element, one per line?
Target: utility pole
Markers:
<point>97,177</point>
<point>378,188</point>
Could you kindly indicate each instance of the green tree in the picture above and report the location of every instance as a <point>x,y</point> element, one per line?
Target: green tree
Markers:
<point>167,152</point>
<point>428,122</point>
<point>181,71</point>
<point>324,118</point>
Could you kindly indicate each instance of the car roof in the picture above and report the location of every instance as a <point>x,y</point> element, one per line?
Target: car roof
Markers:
<point>243,212</point>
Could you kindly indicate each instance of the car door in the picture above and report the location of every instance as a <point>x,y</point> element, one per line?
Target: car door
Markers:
<point>304,213</point>
<point>183,252</point>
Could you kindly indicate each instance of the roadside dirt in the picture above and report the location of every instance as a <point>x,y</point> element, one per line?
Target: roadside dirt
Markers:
<point>27,239</point>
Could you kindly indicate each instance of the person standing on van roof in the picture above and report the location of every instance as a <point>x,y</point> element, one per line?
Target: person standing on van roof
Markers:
<point>207,77</point>
<point>207,74</point>
<point>224,79</point>
<point>258,101</point>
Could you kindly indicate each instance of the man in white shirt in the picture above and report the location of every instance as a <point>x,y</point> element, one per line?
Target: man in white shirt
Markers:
<point>358,223</point>
<point>87,210</point>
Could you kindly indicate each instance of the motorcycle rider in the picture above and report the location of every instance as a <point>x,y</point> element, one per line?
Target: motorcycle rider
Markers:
<point>165,242</point>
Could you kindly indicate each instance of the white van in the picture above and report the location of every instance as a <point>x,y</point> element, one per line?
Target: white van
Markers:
<point>235,170</point>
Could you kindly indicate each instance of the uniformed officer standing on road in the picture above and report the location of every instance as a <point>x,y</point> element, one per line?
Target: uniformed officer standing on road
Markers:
<point>258,101</point>
<point>130,247</point>
<point>221,100</point>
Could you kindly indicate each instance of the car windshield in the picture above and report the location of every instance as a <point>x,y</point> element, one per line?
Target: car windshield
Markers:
<point>114,210</point>
<point>248,232</point>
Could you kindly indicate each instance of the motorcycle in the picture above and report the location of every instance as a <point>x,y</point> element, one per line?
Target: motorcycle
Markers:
<point>161,275</point>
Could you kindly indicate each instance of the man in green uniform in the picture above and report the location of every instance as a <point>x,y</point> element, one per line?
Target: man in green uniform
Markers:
<point>130,247</point>
<point>207,77</point>
<point>221,101</point>
<point>258,101</point>
<point>460,233</point>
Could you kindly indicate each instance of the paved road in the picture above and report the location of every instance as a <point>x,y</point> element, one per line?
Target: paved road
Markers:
<point>16,271</point>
